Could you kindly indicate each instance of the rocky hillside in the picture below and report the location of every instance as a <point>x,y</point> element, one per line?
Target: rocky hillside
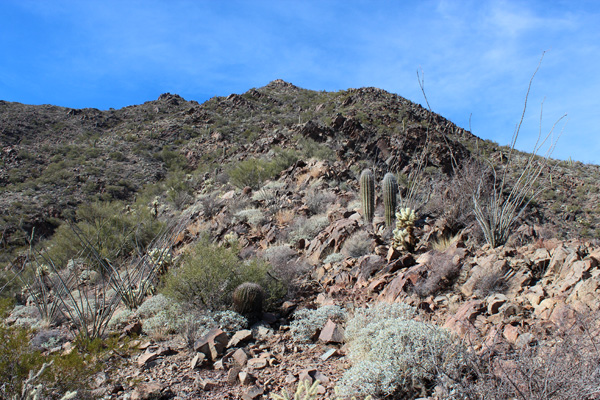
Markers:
<point>54,158</point>
<point>263,187</point>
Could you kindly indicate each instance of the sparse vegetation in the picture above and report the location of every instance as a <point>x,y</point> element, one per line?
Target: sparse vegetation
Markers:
<point>237,170</point>
<point>209,274</point>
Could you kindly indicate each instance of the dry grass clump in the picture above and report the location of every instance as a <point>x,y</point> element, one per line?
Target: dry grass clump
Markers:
<point>307,228</point>
<point>452,198</point>
<point>441,272</point>
<point>490,281</point>
<point>317,200</point>
<point>564,367</point>
<point>357,245</point>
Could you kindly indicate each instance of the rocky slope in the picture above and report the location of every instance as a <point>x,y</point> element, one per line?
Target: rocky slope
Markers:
<point>54,158</point>
<point>306,221</point>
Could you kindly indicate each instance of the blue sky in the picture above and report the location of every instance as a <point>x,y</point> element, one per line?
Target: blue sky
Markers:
<point>476,56</point>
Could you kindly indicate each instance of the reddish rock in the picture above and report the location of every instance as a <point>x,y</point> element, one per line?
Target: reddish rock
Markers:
<point>465,316</point>
<point>312,374</point>
<point>257,363</point>
<point>133,329</point>
<point>147,390</point>
<point>240,357</point>
<point>495,301</point>
<point>392,254</point>
<point>252,393</point>
<point>146,358</point>
<point>240,337</point>
<point>332,238</point>
<point>331,333</point>
<point>212,344</point>
<point>511,333</point>
<point>246,378</point>
<point>197,360</point>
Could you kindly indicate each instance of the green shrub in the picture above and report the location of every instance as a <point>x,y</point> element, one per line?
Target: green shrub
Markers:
<point>254,171</point>
<point>173,159</point>
<point>15,359</point>
<point>66,373</point>
<point>209,273</point>
<point>110,228</point>
<point>179,188</point>
<point>313,149</point>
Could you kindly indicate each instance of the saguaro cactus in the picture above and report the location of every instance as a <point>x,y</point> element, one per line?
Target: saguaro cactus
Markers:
<point>367,194</point>
<point>390,197</point>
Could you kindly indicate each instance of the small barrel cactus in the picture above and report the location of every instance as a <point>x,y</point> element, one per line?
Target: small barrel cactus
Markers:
<point>248,299</point>
<point>367,194</point>
<point>390,196</point>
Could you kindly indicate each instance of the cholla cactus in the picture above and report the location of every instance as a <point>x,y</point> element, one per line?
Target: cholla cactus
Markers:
<point>367,194</point>
<point>162,258</point>
<point>404,236</point>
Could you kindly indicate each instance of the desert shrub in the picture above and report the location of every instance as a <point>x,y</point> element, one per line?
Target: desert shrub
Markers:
<point>516,182</point>
<point>490,280</point>
<point>211,204</point>
<point>452,198</point>
<point>192,326</point>
<point>357,245</point>
<point>564,367</point>
<point>209,273</point>
<point>173,159</point>
<point>286,266</point>
<point>10,284</point>
<point>253,216</point>
<point>313,149</point>
<point>159,315</point>
<point>396,356</point>
<point>254,171</point>
<point>441,272</point>
<point>120,318</point>
<point>179,188</point>
<point>333,258</point>
<point>308,322</point>
<point>317,200</point>
<point>109,228</point>
<point>67,372</point>
<point>154,305</point>
<point>308,228</point>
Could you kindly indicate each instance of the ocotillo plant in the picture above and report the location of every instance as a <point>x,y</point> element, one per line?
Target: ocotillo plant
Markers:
<point>367,194</point>
<point>390,196</point>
